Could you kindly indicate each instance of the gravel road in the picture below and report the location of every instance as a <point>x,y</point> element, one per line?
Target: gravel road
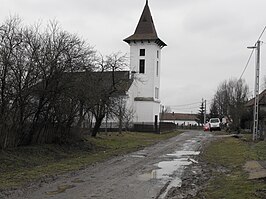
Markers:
<point>145,174</point>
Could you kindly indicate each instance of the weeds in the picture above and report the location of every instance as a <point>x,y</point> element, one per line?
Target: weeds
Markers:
<point>22,165</point>
<point>231,154</point>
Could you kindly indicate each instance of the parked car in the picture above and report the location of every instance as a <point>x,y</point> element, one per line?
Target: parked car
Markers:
<point>206,127</point>
<point>215,124</point>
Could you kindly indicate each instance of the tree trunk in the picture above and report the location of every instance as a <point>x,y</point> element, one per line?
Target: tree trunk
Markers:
<point>120,121</point>
<point>97,126</point>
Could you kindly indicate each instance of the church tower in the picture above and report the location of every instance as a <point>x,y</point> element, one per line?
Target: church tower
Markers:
<point>145,65</point>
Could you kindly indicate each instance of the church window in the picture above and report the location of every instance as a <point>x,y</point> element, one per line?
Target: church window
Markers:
<point>142,66</point>
<point>142,52</point>
<point>157,69</point>
<point>156,93</point>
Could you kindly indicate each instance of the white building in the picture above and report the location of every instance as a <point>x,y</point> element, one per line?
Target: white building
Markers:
<point>145,65</point>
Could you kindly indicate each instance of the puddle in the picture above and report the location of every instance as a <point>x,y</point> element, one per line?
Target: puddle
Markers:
<point>60,189</point>
<point>184,153</point>
<point>170,170</point>
<point>138,155</point>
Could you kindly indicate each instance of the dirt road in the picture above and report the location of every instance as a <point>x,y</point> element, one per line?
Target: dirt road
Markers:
<point>144,174</point>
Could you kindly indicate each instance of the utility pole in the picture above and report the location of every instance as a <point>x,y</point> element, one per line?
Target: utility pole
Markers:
<point>256,91</point>
<point>204,111</point>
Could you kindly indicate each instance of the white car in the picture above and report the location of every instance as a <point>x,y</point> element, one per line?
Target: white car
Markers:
<point>215,124</point>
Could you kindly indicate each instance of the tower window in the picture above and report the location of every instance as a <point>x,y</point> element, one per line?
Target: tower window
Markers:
<point>156,93</point>
<point>157,69</point>
<point>158,54</point>
<point>142,66</point>
<point>142,52</point>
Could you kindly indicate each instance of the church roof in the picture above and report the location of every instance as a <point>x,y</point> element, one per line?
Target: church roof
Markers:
<point>92,83</point>
<point>145,30</point>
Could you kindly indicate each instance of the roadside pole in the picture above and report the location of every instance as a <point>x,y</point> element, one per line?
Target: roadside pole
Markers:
<point>256,92</point>
<point>204,111</point>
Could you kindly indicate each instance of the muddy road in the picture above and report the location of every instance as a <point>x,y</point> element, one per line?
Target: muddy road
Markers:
<point>145,174</point>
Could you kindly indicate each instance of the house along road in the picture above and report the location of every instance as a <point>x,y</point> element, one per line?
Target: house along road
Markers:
<point>145,174</point>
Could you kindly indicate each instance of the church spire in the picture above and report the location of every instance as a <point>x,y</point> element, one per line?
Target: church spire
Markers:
<point>145,30</point>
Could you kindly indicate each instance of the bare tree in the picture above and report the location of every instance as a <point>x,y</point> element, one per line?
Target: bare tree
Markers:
<point>14,81</point>
<point>121,112</point>
<point>229,101</point>
<point>109,82</point>
<point>34,91</point>
<point>167,109</point>
<point>50,80</point>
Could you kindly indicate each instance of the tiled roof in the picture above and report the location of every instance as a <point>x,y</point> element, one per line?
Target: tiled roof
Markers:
<point>105,80</point>
<point>179,116</point>
<point>145,30</point>
<point>92,83</point>
<point>262,99</point>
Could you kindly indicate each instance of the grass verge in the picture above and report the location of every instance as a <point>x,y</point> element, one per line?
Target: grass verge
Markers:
<point>23,165</point>
<point>229,180</point>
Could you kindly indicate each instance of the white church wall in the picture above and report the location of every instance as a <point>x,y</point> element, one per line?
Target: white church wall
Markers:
<point>145,83</point>
<point>145,90</point>
<point>144,112</point>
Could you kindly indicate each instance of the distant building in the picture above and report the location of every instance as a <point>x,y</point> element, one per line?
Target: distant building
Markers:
<point>184,119</point>
<point>145,66</point>
<point>262,113</point>
<point>262,101</point>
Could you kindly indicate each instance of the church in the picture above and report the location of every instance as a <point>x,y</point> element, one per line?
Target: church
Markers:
<point>145,66</point>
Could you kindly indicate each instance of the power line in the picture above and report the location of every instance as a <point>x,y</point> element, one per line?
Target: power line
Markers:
<point>252,54</point>
<point>262,33</point>
<point>180,105</point>
<point>247,63</point>
<point>185,108</point>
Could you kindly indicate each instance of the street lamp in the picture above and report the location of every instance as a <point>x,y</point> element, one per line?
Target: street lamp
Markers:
<point>256,91</point>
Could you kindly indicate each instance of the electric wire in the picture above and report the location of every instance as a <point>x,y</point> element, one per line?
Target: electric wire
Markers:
<point>193,103</point>
<point>252,53</point>
<point>247,64</point>
<point>187,107</point>
<point>262,33</point>
<point>180,105</point>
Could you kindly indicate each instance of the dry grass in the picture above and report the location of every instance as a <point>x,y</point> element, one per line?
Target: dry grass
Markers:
<point>22,165</point>
<point>231,154</point>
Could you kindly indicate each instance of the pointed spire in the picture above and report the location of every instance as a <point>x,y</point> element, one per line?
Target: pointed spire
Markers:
<point>146,25</point>
<point>145,29</point>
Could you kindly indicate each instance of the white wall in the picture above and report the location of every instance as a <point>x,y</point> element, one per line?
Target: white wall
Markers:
<point>180,122</point>
<point>144,84</point>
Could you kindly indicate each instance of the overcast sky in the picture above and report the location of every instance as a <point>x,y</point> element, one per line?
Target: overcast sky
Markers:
<point>207,39</point>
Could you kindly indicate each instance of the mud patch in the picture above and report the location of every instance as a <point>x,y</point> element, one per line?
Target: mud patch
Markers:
<point>77,180</point>
<point>255,170</point>
<point>60,189</point>
<point>193,181</point>
<point>169,171</point>
<point>140,154</point>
